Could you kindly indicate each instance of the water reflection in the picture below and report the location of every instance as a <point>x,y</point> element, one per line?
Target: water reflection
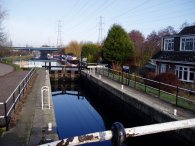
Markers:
<point>74,114</point>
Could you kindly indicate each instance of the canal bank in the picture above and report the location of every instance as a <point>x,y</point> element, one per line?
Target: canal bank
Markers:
<point>31,126</point>
<point>151,108</point>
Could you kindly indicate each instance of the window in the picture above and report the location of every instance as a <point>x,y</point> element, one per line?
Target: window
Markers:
<point>188,44</point>
<point>185,73</point>
<point>169,44</point>
<point>163,68</point>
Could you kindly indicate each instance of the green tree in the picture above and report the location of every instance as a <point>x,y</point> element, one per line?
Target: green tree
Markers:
<point>91,52</point>
<point>117,47</point>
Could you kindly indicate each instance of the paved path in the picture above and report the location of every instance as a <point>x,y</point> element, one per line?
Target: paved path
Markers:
<point>5,69</point>
<point>9,82</point>
<point>28,129</point>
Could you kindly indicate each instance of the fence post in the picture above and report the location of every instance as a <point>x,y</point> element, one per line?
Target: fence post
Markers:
<point>128,79</point>
<point>19,89</point>
<point>108,72</point>
<point>135,82</point>
<point>177,95</point>
<point>6,118</point>
<point>113,74</point>
<point>158,89</point>
<point>14,101</point>
<point>127,82</point>
<point>122,76</point>
<point>26,81</point>
<point>49,67</point>
<point>23,86</point>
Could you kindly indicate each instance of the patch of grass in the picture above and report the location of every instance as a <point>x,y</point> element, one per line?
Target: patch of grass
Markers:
<point>186,104</point>
<point>2,130</point>
<point>9,60</point>
<point>168,97</point>
<point>15,66</point>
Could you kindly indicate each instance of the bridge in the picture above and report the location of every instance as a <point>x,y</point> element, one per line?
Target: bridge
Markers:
<point>36,48</point>
<point>39,52</point>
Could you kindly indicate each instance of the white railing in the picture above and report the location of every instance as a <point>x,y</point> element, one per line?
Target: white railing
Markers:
<point>9,105</point>
<point>45,97</point>
<point>118,133</point>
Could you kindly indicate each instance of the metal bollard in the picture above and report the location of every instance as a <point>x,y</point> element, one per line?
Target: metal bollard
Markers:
<point>121,87</point>
<point>175,112</point>
<point>119,134</point>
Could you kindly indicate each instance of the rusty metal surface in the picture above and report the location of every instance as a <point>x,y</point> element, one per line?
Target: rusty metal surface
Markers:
<point>83,139</point>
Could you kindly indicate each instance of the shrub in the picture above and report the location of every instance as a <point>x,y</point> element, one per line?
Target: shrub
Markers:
<point>151,76</point>
<point>168,78</point>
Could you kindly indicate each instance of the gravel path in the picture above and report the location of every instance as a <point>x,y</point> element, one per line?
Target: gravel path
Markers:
<point>5,69</point>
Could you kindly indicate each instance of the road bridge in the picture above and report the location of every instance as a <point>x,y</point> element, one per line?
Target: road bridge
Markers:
<point>40,52</point>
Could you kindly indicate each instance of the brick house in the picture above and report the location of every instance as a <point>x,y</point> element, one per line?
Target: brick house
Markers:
<point>177,55</point>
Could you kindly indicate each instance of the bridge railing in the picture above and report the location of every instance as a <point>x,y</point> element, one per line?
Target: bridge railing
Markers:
<point>176,95</point>
<point>9,106</point>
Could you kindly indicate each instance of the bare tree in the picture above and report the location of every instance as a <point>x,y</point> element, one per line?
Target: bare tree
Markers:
<point>2,34</point>
<point>185,24</point>
<point>138,40</point>
<point>73,48</point>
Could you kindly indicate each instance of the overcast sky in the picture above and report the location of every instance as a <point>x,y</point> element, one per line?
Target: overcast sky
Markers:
<point>35,22</point>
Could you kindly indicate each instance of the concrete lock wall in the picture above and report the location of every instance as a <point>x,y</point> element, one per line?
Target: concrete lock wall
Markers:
<point>148,111</point>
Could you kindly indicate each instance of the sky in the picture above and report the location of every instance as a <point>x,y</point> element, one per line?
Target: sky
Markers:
<point>42,22</point>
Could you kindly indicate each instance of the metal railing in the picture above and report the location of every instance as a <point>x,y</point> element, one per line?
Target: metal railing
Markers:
<point>118,133</point>
<point>177,97</point>
<point>7,107</point>
<point>45,98</point>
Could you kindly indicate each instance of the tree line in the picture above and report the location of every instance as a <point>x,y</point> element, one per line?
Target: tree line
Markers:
<point>122,48</point>
<point>119,47</point>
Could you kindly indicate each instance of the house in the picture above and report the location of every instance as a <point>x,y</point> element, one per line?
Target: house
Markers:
<point>177,55</point>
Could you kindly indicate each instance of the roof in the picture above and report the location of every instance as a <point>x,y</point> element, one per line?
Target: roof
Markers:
<point>187,30</point>
<point>185,56</point>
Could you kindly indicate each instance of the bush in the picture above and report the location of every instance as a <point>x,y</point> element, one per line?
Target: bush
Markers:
<point>168,78</point>
<point>151,76</point>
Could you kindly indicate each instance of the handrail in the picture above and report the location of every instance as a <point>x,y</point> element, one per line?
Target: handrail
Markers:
<point>118,133</point>
<point>102,71</point>
<point>9,107</point>
<point>19,85</point>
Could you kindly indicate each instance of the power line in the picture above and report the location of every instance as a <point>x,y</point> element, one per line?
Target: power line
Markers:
<point>131,9</point>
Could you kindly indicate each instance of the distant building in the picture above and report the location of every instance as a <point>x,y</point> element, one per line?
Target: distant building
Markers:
<point>177,55</point>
